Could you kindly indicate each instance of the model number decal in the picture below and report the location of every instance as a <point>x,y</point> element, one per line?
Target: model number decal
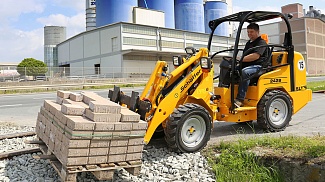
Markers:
<point>275,80</point>
<point>301,88</point>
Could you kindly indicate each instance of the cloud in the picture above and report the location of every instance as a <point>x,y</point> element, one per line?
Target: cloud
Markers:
<point>75,24</point>
<point>237,9</point>
<point>11,10</point>
<point>21,44</point>
<point>78,5</point>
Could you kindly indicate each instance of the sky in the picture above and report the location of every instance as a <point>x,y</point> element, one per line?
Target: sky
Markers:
<point>22,22</point>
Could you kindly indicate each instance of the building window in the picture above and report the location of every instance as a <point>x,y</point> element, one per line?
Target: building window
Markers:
<point>114,44</point>
<point>97,69</point>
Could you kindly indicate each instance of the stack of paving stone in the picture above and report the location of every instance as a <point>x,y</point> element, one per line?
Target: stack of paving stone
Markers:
<point>85,129</point>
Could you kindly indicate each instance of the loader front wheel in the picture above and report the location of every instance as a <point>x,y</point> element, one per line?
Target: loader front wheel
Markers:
<point>274,111</point>
<point>188,128</point>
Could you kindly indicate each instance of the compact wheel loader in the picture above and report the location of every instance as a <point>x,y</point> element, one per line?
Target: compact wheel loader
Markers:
<point>184,103</point>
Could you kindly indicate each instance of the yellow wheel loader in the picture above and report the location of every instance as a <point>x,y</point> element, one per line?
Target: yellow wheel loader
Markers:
<point>184,103</point>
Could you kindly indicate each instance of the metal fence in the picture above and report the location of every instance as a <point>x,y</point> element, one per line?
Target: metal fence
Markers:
<point>33,74</point>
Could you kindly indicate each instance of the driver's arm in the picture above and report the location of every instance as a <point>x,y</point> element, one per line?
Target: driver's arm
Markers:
<point>251,57</point>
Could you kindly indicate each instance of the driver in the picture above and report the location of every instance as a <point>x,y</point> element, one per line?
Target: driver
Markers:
<point>252,62</point>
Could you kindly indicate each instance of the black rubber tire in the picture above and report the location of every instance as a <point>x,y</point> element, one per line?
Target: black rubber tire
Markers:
<point>263,110</point>
<point>175,124</point>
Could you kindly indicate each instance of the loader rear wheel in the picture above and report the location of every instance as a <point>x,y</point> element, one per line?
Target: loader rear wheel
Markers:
<point>274,111</point>
<point>188,128</point>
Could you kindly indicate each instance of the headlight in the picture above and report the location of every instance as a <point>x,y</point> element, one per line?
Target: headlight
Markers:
<point>177,60</point>
<point>190,50</point>
<point>205,63</point>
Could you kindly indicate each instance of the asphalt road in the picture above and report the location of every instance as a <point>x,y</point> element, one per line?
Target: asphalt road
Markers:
<point>317,78</point>
<point>22,109</point>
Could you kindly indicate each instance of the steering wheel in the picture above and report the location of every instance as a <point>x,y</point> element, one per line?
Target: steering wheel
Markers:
<point>227,58</point>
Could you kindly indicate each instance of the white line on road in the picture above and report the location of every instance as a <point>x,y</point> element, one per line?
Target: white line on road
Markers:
<point>14,105</point>
<point>44,98</point>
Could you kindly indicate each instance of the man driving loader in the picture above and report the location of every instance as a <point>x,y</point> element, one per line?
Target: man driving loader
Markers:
<point>252,62</point>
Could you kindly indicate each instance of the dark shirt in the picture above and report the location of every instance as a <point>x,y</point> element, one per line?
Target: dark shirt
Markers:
<point>261,51</point>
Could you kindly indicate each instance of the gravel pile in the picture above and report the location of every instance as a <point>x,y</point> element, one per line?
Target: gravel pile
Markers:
<point>159,164</point>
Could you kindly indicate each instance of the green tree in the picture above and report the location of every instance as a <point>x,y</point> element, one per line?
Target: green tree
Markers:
<point>31,67</point>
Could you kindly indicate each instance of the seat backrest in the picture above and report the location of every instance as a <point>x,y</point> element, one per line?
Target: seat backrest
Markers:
<point>265,37</point>
<point>267,62</point>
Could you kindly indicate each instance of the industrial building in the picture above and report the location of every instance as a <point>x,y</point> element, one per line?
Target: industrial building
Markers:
<point>130,36</point>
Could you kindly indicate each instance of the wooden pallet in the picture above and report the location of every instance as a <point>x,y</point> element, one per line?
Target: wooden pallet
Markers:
<point>100,171</point>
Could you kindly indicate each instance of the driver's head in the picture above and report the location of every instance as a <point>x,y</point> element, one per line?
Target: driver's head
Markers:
<point>253,31</point>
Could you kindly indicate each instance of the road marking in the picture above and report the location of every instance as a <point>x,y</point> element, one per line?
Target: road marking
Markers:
<point>44,98</point>
<point>14,105</point>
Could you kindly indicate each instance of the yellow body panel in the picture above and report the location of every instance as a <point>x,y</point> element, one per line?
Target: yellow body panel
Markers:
<point>279,78</point>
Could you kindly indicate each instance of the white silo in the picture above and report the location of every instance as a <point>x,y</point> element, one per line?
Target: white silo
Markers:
<point>90,14</point>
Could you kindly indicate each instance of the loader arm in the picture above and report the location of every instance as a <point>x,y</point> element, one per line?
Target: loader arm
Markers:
<point>178,92</point>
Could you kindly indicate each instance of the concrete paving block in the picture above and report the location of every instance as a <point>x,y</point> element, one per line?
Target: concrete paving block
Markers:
<point>97,159</point>
<point>133,156</point>
<point>106,135</point>
<point>104,126</point>
<point>104,106</point>
<point>62,117</point>
<point>73,161</point>
<point>116,158</point>
<point>58,136</point>
<point>74,110</point>
<point>61,127</point>
<point>63,94</point>
<point>68,143</point>
<point>46,105</point>
<point>52,135</point>
<point>57,149</point>
<point>47,132</point>
<point>101,143</point>
<point>46,113</point>
<point>141,125</point>
<point>136,141</point>
<point>117,150</point>
<point>121,134</point>
<point>137,133</point>
<point>51,145</point>
<point>102,117</point>
<point>52,106</point>
<point>59,100</point>
<point>69,101</point>
<point>80,123</point>
<point>77,97</point>
<point>45,139</point>
<point>75,152</point>
<point>119,142</point>
<point>122,126</point>
<point>90,96</point>
<point>129,116</point>
<point>135,149</point>
<point>98,151</point>
<point>71,134</point>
